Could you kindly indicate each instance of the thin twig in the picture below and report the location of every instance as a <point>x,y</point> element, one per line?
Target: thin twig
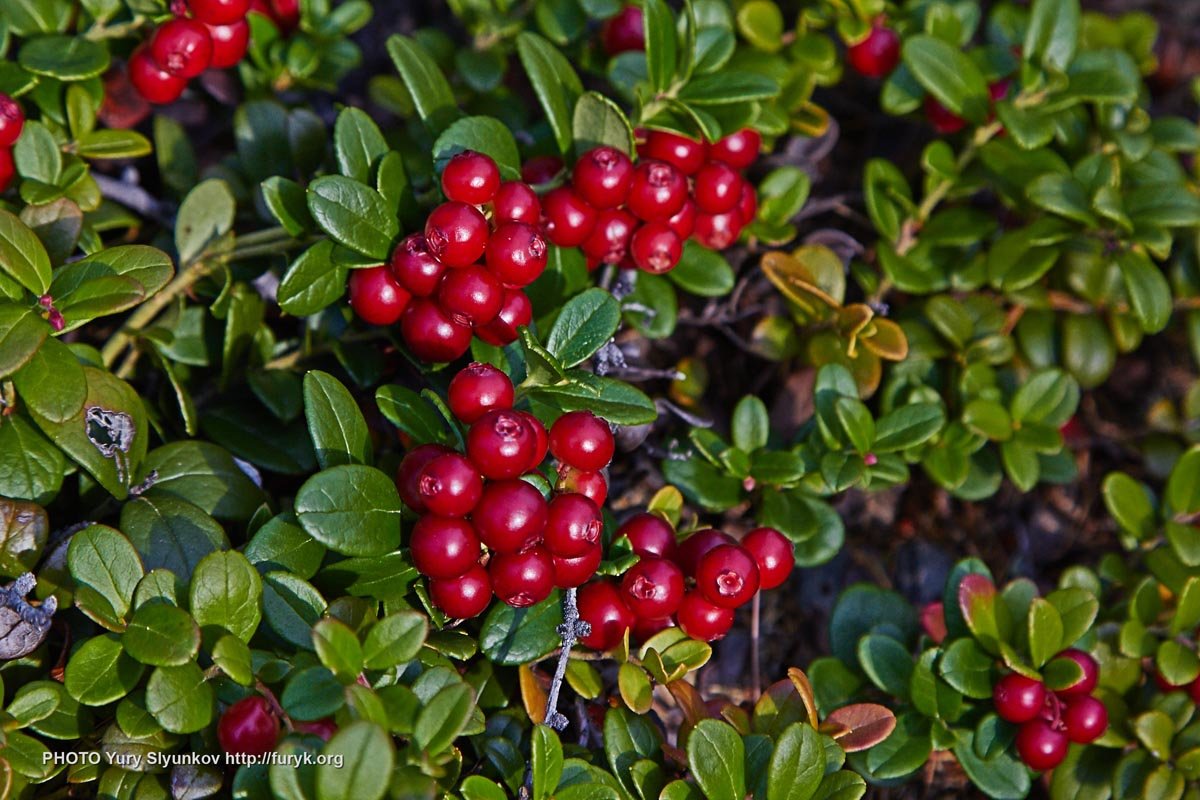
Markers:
<point>569,631</point>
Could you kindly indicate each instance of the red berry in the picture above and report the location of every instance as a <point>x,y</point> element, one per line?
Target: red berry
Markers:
<point>522,579</point>
<point>658,191</point>
<point>774,554</point>
<point>684,220</point>
<point>443,547</point>
<point>718,188</point>
<point>567,218</point>
<point>182,47</point>
<point>877,54</point>
<point>517,253</point>
<point>571,572</point>
<point>600,606</point>
<point>643,629</point>
<point>415,267</point>
<point>463,597</point>
<point>450,486</point>
<point>739,150</point>
<point>219,12</point>
<point>1018,698</point>
<point>516,202</point>
<point>323,728</point>
<point>470,177</point>
<point>12,121</point>
<point>456,233</point>
<point>477,389</point>
<point>515,312</point>
<point>656,248</point>
<point>432,334</point>
<point>685,154</point>
<point>152,81</point>
<point>694,547</point>
<point>609,239</point>
<point>471,295</point>
<point>573,525</point>
<point>248,727</point>
<point>408,474</point>
<point>701,620</point>
<point>943,119</point>
<point>1086,719</point>
<point>653,588</point>
<point>510,516</point>
<point>8,169</point>
<point>718,231</point>
<point>591,485</point>
<point>602,177</point>
<point>1091,673</point>
<point>501,445</point>
<point>747,206</point>
<point>229,43</point>
<point>286,14</point>
<point>624,32</point>
<point>582,440</point>
<point>541,169</point>
<point>540,436</point>
<point>1040,746</point>
<point>727,576</point>
<point>999,90</point>
<point>649,535</point>
<point>376,296</point>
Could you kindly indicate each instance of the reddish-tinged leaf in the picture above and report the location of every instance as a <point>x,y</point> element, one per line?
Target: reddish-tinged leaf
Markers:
<point>977,600</point>
<point>933,620</point>
<point>736,717</point>
<point>804,687</point>
<point>533,695</point>
<point>689,700</point>
<point>869,724</point>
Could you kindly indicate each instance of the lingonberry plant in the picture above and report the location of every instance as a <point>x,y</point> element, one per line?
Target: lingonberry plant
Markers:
<point>491,401</point>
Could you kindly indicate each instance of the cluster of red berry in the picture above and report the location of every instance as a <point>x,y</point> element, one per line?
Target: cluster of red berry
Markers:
<point>215,36</point>
<point>468,501</point>
<point>1164,685</point>
<point>653,594</point>
<point>250,727</point>
<point>624,32</point>
<point>1051,720</point>
<point>12,122</point>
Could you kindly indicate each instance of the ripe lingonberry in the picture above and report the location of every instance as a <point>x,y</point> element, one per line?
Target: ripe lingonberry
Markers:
<point>718,231</point>
<point>450,485</point>
<point>286,14</point>
<point>1194,691</point>
<point>591,485</point>
<point>657,192</point>
<point>182,47</point>
<point>600,606</point>
<point>727,576</point>
<point>522,579</point>
<point>656,248</point>
<point>541,169</point>
<point>376,296</point>
<point>573,525</point>
<point>609,239</point>
<point>774,554</point>
<point>653,588</point>
<point>12,121</point>
<point>582,440</point>
<point>694,547</point>
<point>408,474</point>
<point>686,155</point>
<point>463,597</point>
<point>643,629</point>
<point>747,206</point>
<point>515,312</point>
<point>248,727</point>
<point>476,390</point>
<point>517,253</point>
<point>152,81</point>
<point>602,177</point>
<point>1091,673</point>
<point>516,202</point>
<point>431,333</point>
<point>1018,698</point>
<point>8,169</point>
<point>1086,719</point>
<point>649,535</point>
<point>229,43</point>
<point>219,12</point>
<point>943,119</point>
<point>470,177</point>
<point>1040,746</point>
<point>684,220</point>
<point>418,270</point>
<point>456,233</point>
<point>471,295</point>
<point>739,149</point>
<point>322,728</point>
<point>501,444</point>
<point>540,437</point>
<point>567,218</point>
<point>877,54</point>
<point>510,515</point>
<point>572,572</point>
<point>624,32</point>
<point>718,188</point>
<point>443,547</point>
<point>702,620</point>
<point>999,90</point>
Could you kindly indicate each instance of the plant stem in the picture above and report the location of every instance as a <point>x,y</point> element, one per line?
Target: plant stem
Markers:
<point>755,655</point>
<point>570,630</point>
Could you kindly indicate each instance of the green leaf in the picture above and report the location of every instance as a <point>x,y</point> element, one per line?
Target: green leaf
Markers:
<point>887,663</point>
<point>206,476</point>
<point>338,648</point>
<point>351,509</point>
<point>33,467</point>
<point>585,323</point>
<point>635,687</point>
<point>412,414</point>
<point>1053,33</point>
<point>395,639</point>
<point>292,606</point>
<point>486,135</point>
<point>179,698</point>
<point>615,400</point>
<point>797,765</point>
<point>338,429</point>
<point>1077,608</point>
<point>908,426</point>
<point>354,215</point>
<point>52,382</point>
<point>109,143</point>
<point>431,93</point>
<point>289,204</point>
<point>751,424</point>
<point>205,214</point>
<point>37,154</point>
<point>444,718</point>
<point>148,266</point>
<point>512,636</point>
<point>282,544</point>
<point>313,281</point>
<point>104,560</point>
<point>357,143</point>
<point>761,23</point>
<point>67,58</point>
<point>598,121</point>
<point>232,655</point>
<point>1155,730</point>
<point>855,419</point>
<point>702,272</point>
<point>967,668</point>
<point>1062,195</point>
<point>716,757</point>
<point>724,88</point>
<point>1045,631</point>
<point>948,74</point>
<point>546,761</point>
<point>661,44</point>
<point>171,533</point>
<point>22,257</point>
<point>366,754</point>
<point>1002,777</point>
<point>1048,396</point>
<point>1147,288</point>
<point>554,82</point>
<point>1130,504</point>
<point>99,672</point>
<point>226,592</point>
